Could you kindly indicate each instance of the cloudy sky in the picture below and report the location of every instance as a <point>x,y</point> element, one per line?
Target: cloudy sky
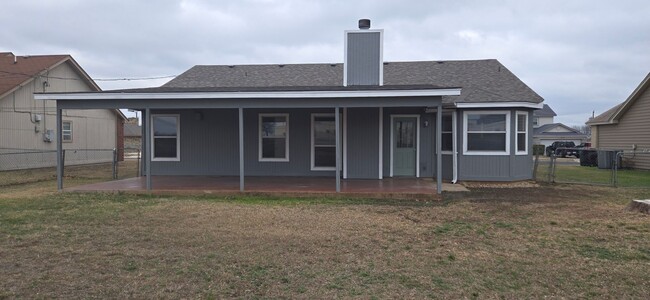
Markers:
<point>581,56</point>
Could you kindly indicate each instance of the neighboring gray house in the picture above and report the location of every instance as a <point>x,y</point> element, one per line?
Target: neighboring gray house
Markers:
<point>546,132</point>
<point>363,119</point>
<point>626,127</point>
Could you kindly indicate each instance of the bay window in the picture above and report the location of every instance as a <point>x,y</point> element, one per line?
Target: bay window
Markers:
<point>486,133</point>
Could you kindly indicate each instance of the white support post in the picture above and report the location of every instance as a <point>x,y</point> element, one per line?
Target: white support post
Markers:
<point>381,143</point>
<point>241,149</point>
<point>148,147</point>
<point>59,149</point>
<point>338,149</point>
<point>439,149</point>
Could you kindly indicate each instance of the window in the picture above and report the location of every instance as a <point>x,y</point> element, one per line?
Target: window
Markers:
<point>67,131</point>
<point>447,133</point>
<point>486,133</point>
<point>535,121</point>
<point>323,141</point>
<point>166,137</point>
<point>274,137</point>
<point>522,132</point>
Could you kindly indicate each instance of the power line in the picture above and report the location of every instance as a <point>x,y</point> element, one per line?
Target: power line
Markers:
<point>95,79</point>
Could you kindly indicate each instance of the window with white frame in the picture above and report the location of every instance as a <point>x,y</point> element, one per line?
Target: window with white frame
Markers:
<point>535,121</point>
<point>447,133</point>
<point>522,133</point>
<point>67,131</point>
<point>274,137</point>
<point>165,137</point>
<point>323,142</point>
<point>486,133</point>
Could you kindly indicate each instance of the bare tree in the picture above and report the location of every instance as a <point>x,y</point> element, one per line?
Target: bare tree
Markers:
<point>586,129</point>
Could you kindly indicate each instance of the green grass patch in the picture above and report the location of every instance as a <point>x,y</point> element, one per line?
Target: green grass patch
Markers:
<point>594,175</point>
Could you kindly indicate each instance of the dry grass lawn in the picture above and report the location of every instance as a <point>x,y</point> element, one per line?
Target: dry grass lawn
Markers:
<point>551,241</point>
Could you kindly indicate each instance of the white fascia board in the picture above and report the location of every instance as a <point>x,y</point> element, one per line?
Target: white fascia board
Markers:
<point>500,105</point>
<point>244,95</point>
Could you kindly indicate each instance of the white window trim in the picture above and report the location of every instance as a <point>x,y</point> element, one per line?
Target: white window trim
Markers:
<point>313,143</point>
<point>453,120</point>
<point>259,140</point>
<point>486,112</point>
<point>63,132</point>
<point>517,132</point>
<point>178,138</point>
<point>417,142</point>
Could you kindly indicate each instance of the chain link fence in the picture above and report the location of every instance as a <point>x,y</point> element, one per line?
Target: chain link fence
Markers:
<point>22,166</point>
<point>595,167</point>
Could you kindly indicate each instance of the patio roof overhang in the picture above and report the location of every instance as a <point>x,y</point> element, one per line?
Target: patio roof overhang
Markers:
<point>414,97</point>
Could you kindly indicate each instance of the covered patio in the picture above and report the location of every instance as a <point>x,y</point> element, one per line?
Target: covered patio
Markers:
<point>398,188</point>
<point>241,114</point>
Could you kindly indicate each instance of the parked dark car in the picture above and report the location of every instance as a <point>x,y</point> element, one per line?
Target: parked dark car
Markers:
<point>562,149</point>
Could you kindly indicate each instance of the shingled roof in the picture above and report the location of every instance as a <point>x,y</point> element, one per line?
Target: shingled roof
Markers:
<point>18,70</point>
<point>480,80</point>
<point>546,111</point>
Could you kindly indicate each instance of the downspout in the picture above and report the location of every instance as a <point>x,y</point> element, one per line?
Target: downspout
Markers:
<point>454,137</point>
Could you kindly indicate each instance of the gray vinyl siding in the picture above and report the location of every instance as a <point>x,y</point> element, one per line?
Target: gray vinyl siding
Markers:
<point>496,167</point>
<point>362,142</point>
<point>633,128</point>
<point>209,144</point>
<point>363,58</point>
<point>427,150</point>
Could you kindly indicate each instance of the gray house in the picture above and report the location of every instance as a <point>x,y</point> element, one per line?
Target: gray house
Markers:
<point>363,119</point>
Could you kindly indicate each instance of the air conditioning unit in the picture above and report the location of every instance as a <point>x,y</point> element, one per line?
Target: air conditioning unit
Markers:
<point>48,135</point>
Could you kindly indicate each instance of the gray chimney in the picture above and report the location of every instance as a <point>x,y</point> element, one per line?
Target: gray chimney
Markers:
<point>363,62</point>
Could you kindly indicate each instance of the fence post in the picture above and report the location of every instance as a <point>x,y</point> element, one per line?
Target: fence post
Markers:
<point>138,171</point>
<point>535,165</point>
<point>62,163</point>
<point>114,163</point>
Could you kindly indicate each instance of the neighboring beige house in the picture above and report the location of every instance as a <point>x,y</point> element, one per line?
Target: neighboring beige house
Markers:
<point>28,125</point>
<point>626,127</point>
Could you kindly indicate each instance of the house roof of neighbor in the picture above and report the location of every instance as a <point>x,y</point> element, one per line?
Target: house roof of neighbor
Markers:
<point>544,131</point>
<point>546,111</point>
<point>480,80</point>
<point>16,71</point>
<point>612,115</point>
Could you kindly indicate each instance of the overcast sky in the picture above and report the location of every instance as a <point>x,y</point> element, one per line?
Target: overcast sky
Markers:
<point>580,56</point>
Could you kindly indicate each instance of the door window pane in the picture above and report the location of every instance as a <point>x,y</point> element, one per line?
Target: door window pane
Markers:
<point>405,132</point>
